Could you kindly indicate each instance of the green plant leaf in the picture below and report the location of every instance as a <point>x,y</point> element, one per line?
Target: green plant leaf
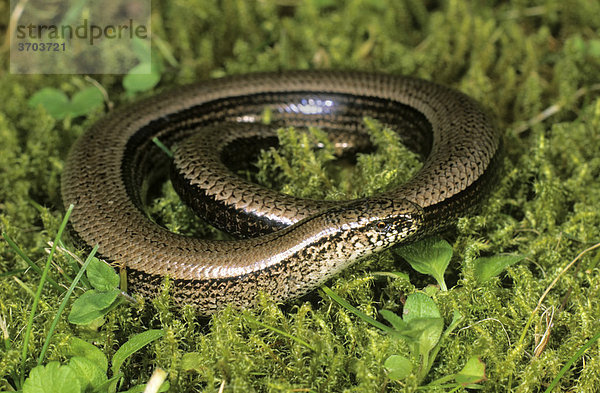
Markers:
<point>91,305</point>
<point>82,348</point>
<point>472,372</point>
<point>136,389</point>
<point>85,101</point>
<point>429,331</point>
<point>90,375</point>
<point>488,267</point>
<point>423,317</point>
<point>398,367</point>
<point>102,276</point>
<point>142,77</point>
<point>394,319</point>
<point>594,48</point>
<point>54,101</point>
<point>418,306</point>
<point>58,105</point>
<point>142,50</point>
<point>110,386</point>
<point>52,378</point>
<point>429,256</point>
<point>133,345</point>
<point>456,319</point>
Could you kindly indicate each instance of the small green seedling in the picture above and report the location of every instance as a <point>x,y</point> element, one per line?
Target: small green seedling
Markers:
<point>488,267</point>
<point>59,106</point>
<point>429,256</point>
<point>93,305</point>
<point>87,368</point>
<point>140,78</point>
<point>421,327</point>
<point>146,74</point>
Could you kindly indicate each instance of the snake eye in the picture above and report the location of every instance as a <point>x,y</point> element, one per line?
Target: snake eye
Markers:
<point>381,225</point>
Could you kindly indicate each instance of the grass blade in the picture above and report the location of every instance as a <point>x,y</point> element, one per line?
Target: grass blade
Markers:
<point>38,294</point>
<point>63,304</point>
<point>356,311</point>
<point>281,332</point>
<point>133,345</point>
<point>35,267</point>
<point>162,147</point>
<point>572,360</point>
<point>74,262</point>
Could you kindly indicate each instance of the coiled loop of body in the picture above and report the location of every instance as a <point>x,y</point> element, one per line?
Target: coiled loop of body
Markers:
<point>299,243</point>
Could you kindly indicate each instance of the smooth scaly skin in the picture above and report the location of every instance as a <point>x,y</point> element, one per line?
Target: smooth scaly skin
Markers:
<point>110,164</point>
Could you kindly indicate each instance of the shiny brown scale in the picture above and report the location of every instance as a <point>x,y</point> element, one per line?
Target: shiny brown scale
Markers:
<point>313,240</point>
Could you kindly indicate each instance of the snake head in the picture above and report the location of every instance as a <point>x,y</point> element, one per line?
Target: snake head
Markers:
<point>373,224</point>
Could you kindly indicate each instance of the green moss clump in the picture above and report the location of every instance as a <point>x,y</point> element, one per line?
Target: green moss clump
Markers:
<point>298,169</point>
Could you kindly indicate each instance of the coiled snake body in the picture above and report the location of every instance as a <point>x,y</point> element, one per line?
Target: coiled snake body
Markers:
<point>312,240</point>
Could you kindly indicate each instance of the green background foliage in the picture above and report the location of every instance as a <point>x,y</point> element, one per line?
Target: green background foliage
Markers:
<point>535,65</point>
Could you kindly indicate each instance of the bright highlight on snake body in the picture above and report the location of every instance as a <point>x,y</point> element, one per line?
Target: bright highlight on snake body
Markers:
<point>297,244</point>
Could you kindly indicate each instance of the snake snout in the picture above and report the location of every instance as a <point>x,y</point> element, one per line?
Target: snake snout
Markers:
<point>397,219</point>
<point>381,222</point>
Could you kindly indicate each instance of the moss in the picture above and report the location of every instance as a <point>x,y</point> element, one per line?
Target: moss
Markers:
<point>516,57</point>
<point>297,169</point>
